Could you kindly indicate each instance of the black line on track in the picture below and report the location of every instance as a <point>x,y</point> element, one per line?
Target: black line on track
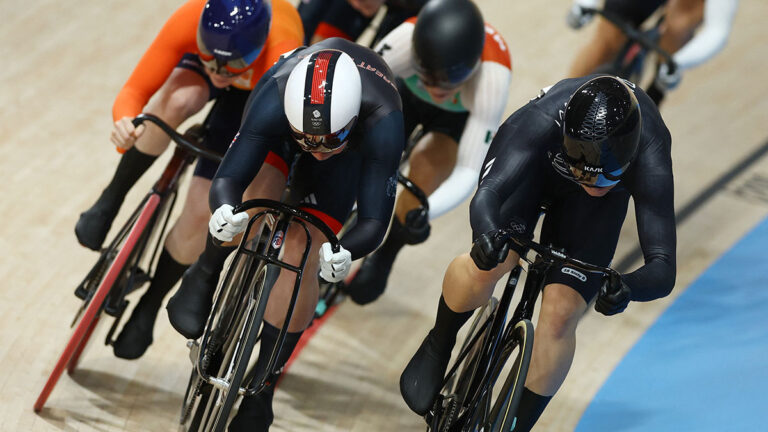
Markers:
<point>698,201</point>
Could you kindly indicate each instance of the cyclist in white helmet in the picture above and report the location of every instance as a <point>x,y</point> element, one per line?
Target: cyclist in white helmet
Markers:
<point>336,106</point>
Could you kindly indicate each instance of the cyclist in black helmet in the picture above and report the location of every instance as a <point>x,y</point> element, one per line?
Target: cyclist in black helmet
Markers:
<point>454,72</point>
<point>585,145</point>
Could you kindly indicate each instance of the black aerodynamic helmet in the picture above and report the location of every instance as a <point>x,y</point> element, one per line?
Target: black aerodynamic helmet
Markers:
<point>448,42</point>
<point>601,129</point>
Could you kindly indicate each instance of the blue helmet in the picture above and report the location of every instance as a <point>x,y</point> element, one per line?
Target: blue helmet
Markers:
<point>232,33</point>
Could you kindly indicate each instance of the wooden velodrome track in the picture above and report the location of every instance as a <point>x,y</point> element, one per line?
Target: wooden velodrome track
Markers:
<point>63,63</point>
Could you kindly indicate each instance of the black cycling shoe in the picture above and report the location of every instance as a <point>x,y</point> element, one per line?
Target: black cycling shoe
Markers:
<point>94,224</point>
<point>423,377</point>
<point>135,337</point>
<point>371,280</point>
<point>188,309</point>
<point>255,414</point>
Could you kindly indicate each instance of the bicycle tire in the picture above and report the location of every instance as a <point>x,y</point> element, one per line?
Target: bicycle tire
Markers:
<point>458,386</point>
<point>95,306</point>
<point>504,412</point>
<point>237,353</point>
<point>228,304</point>
<point>480,317</point>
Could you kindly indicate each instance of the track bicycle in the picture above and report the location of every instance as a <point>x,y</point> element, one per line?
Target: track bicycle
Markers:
<point>470,399</point>
<point>125,265</point>
<point>630,62</point>
<point>220,357</point>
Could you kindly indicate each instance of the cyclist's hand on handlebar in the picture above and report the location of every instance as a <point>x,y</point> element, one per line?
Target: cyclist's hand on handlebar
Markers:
<point>488,251</point>
<point>613,297</point>
<point>224,225</point>
<point>578,16</point>
<point>334,267</point>
<point>124,134</point>
<point>667,80</point>
<point>417,226</point>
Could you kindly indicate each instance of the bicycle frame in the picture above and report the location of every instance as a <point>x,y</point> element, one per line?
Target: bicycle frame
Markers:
<point>500,330</point>
<point>269,254</point>
<point>136,236</point>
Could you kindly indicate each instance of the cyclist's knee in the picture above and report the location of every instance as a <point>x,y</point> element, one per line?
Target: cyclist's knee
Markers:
<point>679,26</point>
<point>561,309</point>
<point>183,94</point>
<point>608,38</point>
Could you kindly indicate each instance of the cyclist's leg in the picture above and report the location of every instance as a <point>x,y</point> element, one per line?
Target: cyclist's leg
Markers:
<point>397,13</point>
<point>341,20</point>
<point>185,241</point>
<point>188,309</point>
<point>588,230</point>
<point>184,93</point>
<point>681,19</point>
<point>431,162</point>
<point>311,13</point>
<point>331,202</point>
<point>607,39</point>
<point>553,349</point>
<point>186,238</point>
<point>465,288</point>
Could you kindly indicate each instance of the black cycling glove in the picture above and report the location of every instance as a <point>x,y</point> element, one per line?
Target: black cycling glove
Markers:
<point>613,297</point>
<point>417,226</point>
<point>488,251</point>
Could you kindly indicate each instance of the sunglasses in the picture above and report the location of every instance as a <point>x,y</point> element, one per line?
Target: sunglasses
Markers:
<point>595,179</point>
<point>322,143</point>
<point>228,69</point>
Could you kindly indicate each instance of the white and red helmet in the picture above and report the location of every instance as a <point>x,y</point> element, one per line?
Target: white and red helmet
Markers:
<point>322,100</point>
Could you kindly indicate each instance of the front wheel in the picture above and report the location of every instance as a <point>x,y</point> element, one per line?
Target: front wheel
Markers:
<point>504,412</point>
<point>235,353</point>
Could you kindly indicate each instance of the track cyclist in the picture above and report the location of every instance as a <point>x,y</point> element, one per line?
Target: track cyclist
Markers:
<point>348,19</point>
<point>206,50</point>
<point>453,72</point>
<point>585,145</point>
<point>337,102</point>
<point>713,18</point>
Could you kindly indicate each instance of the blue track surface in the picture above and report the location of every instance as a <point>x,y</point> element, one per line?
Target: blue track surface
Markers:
<point>703,366</point>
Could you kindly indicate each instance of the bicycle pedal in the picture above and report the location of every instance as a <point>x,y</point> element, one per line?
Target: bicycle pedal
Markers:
<point>81,292</point>
<point>115,310</point>
<point>140,277</point>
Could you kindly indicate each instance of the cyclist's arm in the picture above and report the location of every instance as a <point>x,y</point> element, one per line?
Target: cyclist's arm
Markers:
<point>513,160</point>
<point>396,48</point>
<point>486,101</point>
<point>653,194</point>
<point>176,38</point>
<point>382,148</point>
<point>263,126</point>
<point>711,38</point>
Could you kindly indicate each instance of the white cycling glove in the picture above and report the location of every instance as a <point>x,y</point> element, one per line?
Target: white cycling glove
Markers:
<point>577,16</point>
<point>224,225</point>
<point>334,267</point>
<point>666,80</point>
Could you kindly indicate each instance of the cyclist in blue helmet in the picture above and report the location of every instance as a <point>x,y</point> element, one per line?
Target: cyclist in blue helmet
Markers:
<point>215,49</point>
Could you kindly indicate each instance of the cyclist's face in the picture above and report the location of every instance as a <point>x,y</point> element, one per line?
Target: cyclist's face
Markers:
<point>439,94</point>
<point>597,191</point>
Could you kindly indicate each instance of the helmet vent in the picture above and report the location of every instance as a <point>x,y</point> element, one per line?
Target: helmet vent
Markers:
<point>594,127</point>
